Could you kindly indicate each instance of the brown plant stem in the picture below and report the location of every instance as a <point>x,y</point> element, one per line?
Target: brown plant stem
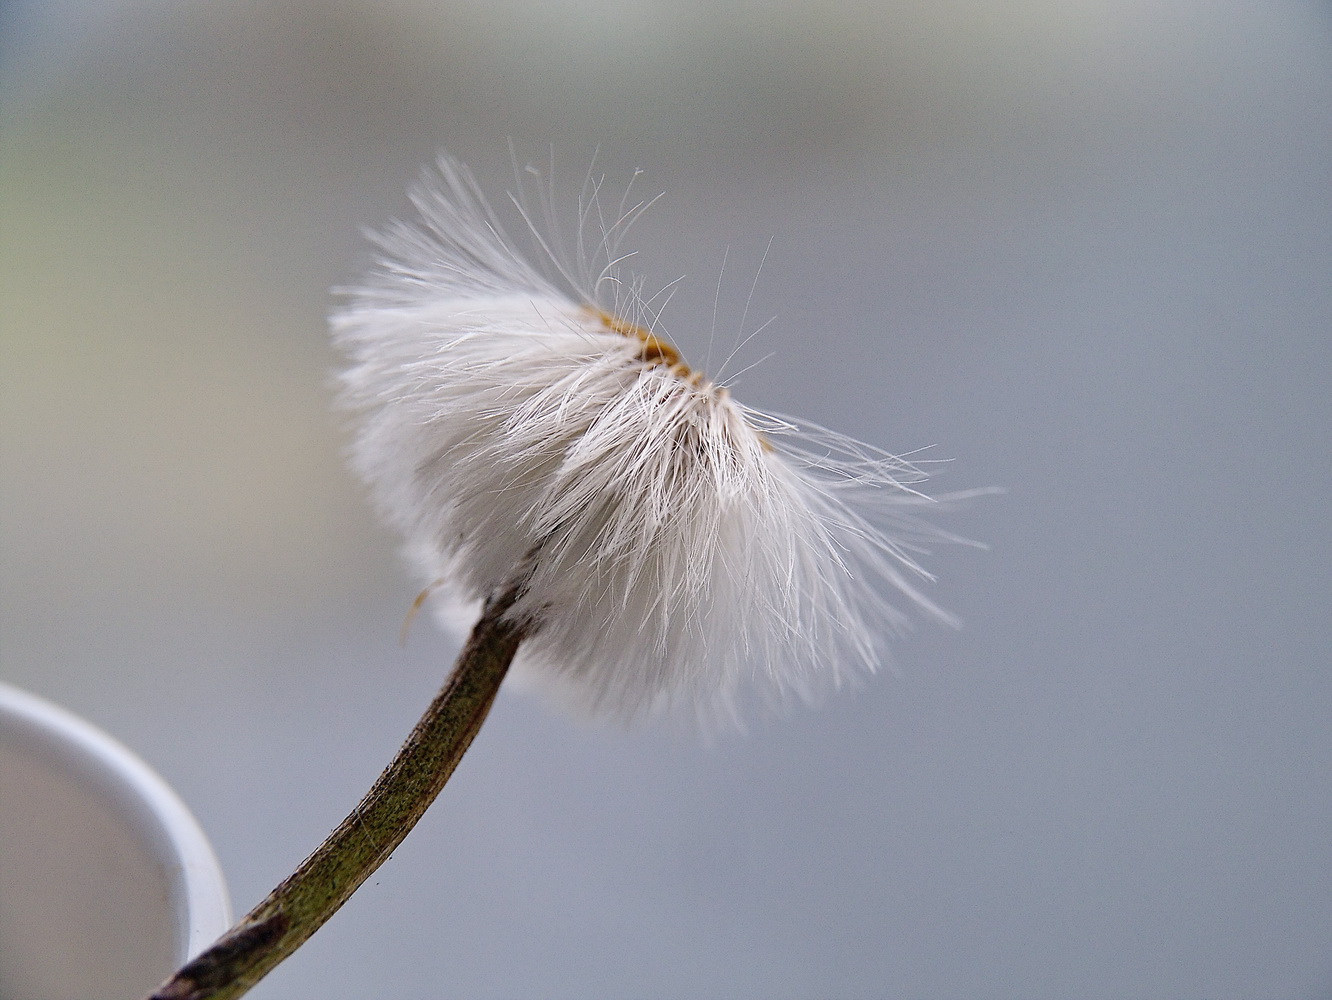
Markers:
<point>327,878</point>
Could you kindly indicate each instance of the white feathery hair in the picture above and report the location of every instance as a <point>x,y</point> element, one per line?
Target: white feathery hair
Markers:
<point>688,549</point>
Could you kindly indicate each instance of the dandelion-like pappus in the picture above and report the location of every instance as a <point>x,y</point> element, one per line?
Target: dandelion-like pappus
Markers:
<point>685,544</point>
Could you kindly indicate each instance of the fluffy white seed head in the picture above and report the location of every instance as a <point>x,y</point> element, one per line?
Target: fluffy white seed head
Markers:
<point>684,547</point>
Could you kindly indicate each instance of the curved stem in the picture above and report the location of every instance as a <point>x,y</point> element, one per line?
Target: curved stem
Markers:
<point>327,878</point>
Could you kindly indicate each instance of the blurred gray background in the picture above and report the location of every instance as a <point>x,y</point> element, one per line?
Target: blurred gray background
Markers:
<point>1083,248</point>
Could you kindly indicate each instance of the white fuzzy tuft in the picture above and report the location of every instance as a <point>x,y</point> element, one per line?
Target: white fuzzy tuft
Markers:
<point>686,545</point>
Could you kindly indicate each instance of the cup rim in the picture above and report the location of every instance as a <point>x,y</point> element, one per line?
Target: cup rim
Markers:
<point>198,891</point>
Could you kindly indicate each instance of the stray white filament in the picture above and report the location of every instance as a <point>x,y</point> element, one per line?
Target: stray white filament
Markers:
<point>688,548</point>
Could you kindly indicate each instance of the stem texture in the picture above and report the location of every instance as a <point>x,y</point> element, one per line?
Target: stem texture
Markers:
<point>327,878</point>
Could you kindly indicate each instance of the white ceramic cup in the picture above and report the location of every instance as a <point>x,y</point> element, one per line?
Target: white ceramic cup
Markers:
<point>107,883</point>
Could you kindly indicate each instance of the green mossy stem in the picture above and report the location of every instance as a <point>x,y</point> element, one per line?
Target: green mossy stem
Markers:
<point>327,878</point>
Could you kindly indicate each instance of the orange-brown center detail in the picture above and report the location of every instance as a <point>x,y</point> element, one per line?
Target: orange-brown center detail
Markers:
<point>655,350</point>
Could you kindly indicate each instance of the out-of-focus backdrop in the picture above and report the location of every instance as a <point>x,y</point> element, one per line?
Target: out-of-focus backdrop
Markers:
<point>1083,248</point>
